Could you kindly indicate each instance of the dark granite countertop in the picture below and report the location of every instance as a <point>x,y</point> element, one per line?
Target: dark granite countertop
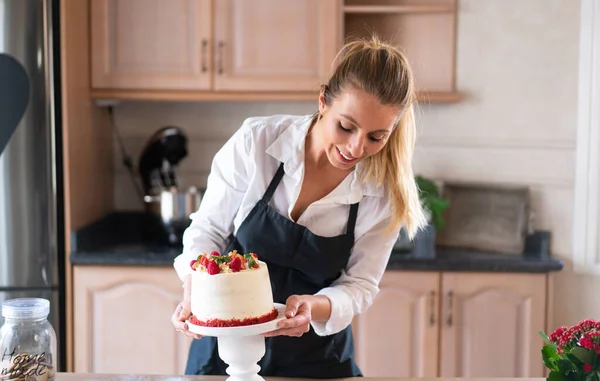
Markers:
<point>135,239</point>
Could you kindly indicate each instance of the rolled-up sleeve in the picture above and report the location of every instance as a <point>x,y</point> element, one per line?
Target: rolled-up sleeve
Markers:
<point>212,224</point>
<point>354,291</point>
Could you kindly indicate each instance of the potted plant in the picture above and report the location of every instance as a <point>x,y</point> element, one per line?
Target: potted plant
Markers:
<point>573,354</point>
<point>434,206</point>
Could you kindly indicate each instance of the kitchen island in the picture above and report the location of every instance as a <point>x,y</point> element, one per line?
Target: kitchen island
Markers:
<point>142,377</point>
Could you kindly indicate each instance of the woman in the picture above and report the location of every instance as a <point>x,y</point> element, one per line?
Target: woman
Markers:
<point>321,200</point>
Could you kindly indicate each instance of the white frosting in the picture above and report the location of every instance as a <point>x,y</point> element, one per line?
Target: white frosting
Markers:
<point>240,295</point>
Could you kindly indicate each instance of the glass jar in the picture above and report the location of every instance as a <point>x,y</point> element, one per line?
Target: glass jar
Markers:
<point>27,341</point>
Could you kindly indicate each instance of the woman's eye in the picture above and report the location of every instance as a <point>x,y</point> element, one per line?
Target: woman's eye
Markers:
<point>375,139</point>
<point>343,128</point>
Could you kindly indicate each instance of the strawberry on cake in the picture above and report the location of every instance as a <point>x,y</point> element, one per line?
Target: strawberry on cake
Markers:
<point>230,290</point>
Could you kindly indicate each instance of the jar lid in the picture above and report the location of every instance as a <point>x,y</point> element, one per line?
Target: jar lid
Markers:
<point>26,308</point>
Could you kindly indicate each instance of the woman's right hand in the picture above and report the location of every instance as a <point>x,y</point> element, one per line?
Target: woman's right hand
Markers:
<point>183,312</point>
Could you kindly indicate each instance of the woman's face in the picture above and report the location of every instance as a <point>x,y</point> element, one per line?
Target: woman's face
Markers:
<point>355,126</point>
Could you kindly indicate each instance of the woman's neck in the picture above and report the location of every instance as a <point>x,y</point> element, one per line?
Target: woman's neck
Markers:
<point>315,154</point>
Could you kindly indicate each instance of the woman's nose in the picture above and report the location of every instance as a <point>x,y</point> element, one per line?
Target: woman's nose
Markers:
<point>357,146</point>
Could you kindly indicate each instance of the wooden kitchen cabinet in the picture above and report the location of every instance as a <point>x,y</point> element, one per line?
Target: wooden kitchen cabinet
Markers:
<point>213,46</point>
<point>274,45</point>
<point>487,317</point>
<point>471,324</point>
<point>122,320</point>
<point>398,335</point>
<point>151,44</point>
<point>424,29</point>
<point>421,324</point>
<point>195,50</point>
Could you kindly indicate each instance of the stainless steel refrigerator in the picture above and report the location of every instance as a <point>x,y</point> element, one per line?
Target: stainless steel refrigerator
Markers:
<point>31,210</point>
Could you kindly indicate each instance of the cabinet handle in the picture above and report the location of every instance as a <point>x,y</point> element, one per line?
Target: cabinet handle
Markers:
<point>204,46</point>
<point>220,55</point>
<point>432,308</point>
<point>450,308</point>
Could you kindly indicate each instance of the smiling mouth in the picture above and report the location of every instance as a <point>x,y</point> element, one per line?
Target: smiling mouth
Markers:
<point>344,158</point>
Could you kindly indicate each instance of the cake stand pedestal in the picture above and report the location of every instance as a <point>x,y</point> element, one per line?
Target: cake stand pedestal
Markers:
<point>241,347</point>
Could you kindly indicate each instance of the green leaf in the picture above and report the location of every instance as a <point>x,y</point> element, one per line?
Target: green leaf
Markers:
<point>556,376</point>
<point>572,358</point>
<point>220,259</point>
<point>592,376</point>
<point>250,259</point>
<point>549,356</point>
<point>584,355</point>
<point>429,196</point>
<point>438,204</point>
<point>575,376</point>
<point>565,366</point>
<point>427,186</point>
<point>544,337</point>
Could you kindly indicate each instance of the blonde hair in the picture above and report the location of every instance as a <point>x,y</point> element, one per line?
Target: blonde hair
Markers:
<point>383,71</point>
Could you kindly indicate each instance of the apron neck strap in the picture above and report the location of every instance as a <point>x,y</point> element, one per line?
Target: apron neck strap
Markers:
<point>273,185</point>
<point>352,218</point>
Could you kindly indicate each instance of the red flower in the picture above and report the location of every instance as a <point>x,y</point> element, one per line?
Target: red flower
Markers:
<point>557,335</point>
<point>586,334</point>
<point>586,342</point>
<point>587,324</point>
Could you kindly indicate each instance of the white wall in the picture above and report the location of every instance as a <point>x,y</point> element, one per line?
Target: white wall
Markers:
<point>517,64</point>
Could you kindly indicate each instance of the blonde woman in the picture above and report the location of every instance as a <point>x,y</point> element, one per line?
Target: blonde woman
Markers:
<point>321,199</point>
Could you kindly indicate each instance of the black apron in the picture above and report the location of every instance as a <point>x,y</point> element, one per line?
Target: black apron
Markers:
<point>299,262</point>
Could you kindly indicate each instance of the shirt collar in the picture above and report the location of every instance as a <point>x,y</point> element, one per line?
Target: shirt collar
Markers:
<point>288,148</point>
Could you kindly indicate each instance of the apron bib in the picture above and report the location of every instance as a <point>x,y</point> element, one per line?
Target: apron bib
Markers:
<point>299,262</point>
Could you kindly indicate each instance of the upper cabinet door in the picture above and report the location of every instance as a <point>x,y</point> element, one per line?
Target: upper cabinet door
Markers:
<point>151,44</point>
<point>275,45</point>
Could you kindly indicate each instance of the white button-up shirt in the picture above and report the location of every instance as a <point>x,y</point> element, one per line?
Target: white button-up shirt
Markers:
<point>240,174</point>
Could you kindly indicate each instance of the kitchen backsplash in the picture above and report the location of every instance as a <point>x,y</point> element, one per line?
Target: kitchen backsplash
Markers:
<point>207,125</point>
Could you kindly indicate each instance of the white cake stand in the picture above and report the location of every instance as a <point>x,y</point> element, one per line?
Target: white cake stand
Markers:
<point>241,347</point>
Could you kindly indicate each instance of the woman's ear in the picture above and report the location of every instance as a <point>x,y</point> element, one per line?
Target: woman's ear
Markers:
<point>322,99</point>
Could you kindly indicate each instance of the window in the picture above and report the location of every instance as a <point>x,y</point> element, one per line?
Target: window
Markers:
<point>586,229</point>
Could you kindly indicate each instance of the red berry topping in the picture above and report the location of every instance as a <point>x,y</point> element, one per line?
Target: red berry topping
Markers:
<point>193,264</point>
<point>204,261</point>
<point>236,264</point>
<point>214,254</point>
<point>213,268</point>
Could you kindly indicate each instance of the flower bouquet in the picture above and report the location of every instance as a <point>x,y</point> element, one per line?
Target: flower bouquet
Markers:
<point>573,354</point>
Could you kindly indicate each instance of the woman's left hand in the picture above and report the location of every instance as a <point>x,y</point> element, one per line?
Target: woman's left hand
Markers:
<point>298,311</point>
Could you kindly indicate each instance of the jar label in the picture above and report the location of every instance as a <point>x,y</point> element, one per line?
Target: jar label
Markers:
<point>26,366</point>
